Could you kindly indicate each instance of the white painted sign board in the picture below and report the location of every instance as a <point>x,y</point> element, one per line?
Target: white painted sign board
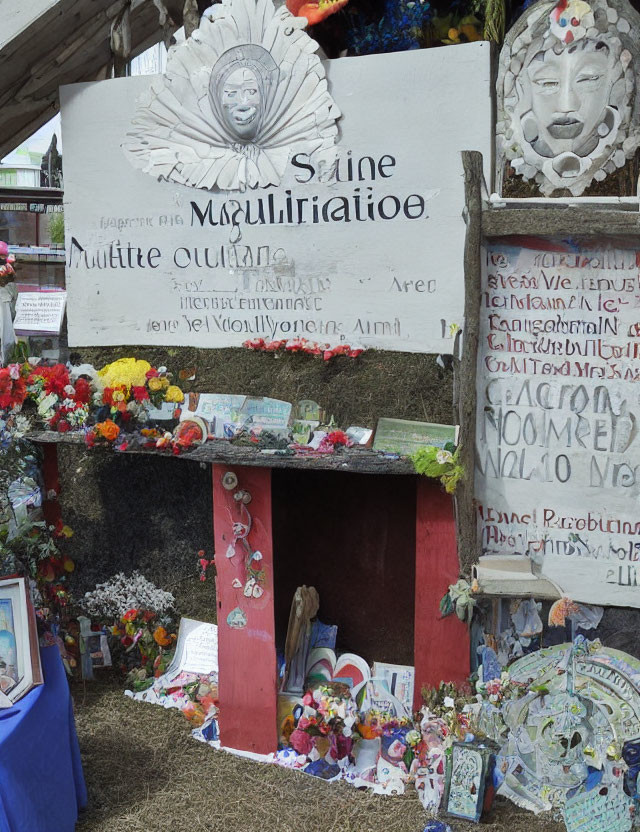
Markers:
<point>373,257</point>
<point>558,416</point>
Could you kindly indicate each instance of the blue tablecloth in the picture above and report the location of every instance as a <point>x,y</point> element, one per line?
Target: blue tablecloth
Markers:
<point>41,781</point>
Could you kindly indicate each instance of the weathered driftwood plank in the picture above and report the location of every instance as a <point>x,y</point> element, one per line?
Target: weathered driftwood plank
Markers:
<point>354,460</point>
<point>553,222</point>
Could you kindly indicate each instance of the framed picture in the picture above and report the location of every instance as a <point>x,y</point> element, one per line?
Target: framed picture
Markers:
<point>20,668</point>
<point>467,769</point>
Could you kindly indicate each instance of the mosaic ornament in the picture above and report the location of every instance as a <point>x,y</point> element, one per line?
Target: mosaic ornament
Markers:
<point>576,711</point>
<point>239,97</point>
<point>229,481</point>
<point>237,619</point>
<point>568,103</point>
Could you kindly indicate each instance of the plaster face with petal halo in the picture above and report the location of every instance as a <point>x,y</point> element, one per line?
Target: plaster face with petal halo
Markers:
<point>239,98</point>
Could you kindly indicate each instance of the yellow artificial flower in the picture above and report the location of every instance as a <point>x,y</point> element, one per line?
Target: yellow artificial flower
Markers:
<point>174,394</point>
<point>118,396</point>
<point>155,384</point>
<point>130,372</point>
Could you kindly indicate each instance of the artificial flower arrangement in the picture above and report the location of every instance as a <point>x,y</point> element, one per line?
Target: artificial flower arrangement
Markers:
<point>61,404</point>
<point>145,644</point>
<point>125,391</point>
<point>138,617</point>
<point>113,598</point>
<point>29,545</point>
<point>302,345</point>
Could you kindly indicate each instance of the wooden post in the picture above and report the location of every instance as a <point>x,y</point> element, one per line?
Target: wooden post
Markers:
<point>441,645</point>
<point>246,654</point>
<point>465,370</point>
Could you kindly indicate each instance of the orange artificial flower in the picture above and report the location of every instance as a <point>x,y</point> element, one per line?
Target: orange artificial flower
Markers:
<point>108,429</point>
<point>161,637</point>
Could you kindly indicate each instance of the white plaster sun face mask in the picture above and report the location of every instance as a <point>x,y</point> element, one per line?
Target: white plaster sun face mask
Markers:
<point>239,97</point>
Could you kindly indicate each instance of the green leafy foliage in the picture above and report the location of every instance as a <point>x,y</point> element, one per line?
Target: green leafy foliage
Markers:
<point>439,463</point>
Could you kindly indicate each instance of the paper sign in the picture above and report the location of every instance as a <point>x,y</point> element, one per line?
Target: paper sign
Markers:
<point>400,436</point>
<point>604,809</point>
<point>265,413</point>
<point>196,649</point>
<point>39,312</point>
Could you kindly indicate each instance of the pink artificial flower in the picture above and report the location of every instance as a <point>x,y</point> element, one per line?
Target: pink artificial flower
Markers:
<point>300,742</point>
<point>14,371</point>
<point>307,700</point>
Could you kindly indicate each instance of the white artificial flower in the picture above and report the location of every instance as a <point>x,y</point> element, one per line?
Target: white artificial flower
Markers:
<point>449,702</point>
<point>120,593</point>
<point>444,457</point>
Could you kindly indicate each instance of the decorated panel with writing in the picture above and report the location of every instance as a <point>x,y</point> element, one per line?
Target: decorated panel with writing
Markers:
<point>558,442</point>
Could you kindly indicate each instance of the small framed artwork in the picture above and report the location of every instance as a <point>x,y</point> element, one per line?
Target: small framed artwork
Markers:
<point>467,769</point>
<point>20,668</point>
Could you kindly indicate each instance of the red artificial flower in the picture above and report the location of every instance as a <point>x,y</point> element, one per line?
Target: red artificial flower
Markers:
<point>90,438</point>
<point>63,426</point>
<point>107,394</point>
<point>147,615</point>
<point>12,391</point>
<point>338,437</point>
<point>255,344</point>
<point>82,393</point>
<point>126,641</point>
<point>140,394</point>
<point>130,615</point>
<point>152,373</point>
<point>54,379</point>
<point>274,346</point>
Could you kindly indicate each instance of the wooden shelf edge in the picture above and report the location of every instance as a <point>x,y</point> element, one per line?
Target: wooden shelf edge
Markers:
<point>220,451</point>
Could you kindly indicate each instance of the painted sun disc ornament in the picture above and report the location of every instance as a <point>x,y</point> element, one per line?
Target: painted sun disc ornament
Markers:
<point>239,97</point>
<point>568,108</point>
